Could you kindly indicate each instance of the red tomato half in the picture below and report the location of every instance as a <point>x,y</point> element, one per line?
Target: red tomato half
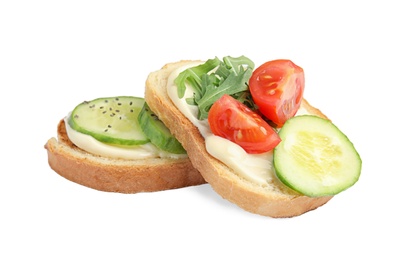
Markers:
<point>277,88</point>
<point>236,122</point>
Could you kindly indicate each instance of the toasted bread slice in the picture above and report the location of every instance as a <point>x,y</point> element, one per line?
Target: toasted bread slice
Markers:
<point>276,200</point>
<point>117,175</point>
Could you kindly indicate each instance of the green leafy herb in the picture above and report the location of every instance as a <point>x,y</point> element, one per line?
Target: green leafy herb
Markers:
<point>213,79</point>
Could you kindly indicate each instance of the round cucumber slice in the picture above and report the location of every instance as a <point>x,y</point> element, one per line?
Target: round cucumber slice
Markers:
<point>315,158</point>
<point>112,120</point>
<point>158,133</point>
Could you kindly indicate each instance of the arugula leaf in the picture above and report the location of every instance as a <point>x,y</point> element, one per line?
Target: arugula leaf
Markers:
<point>236,63</point>
<point>215,78</point>
<point>193,76</point>
<point>246,98</point>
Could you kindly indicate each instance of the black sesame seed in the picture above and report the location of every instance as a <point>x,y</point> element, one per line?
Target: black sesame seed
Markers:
<point>106,130</point>
<point>119,103</point>
<point>104,112</point>
<point>117,110</point>
<point>130,103</point>
<point>131,110</point>
<point>109,126</point>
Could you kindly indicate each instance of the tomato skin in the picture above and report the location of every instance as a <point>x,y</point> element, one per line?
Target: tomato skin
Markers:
<point>236,122</point>
<point>277,88</point>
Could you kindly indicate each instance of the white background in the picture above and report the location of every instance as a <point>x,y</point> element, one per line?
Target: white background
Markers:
<point>56,54</point>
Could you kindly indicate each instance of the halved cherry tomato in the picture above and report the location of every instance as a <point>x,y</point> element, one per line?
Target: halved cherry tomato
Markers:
<point>236,122</point>
<point>277,88</point>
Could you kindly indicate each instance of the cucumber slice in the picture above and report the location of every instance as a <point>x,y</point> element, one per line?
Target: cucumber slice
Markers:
<point>112,120</point>
<point>157,132</point>
<point>315,158</point>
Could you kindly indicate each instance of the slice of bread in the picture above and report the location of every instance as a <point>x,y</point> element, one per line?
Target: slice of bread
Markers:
<point>276,200</point>
<point>117,175</point>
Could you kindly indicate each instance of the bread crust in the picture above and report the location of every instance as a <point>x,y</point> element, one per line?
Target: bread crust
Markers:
<point>275,201</point>
<point>117,175</point>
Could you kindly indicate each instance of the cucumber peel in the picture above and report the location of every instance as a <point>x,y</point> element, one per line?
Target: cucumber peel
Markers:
<point>158,133</point>
<point>315,158</point>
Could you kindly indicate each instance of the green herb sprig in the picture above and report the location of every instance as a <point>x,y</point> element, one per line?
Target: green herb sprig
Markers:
<point>214,78</point>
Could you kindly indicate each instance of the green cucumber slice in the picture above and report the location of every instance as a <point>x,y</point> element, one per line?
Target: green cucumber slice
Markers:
<point>157,132</point>
<point>315,158</point>
<point>112,120</point>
